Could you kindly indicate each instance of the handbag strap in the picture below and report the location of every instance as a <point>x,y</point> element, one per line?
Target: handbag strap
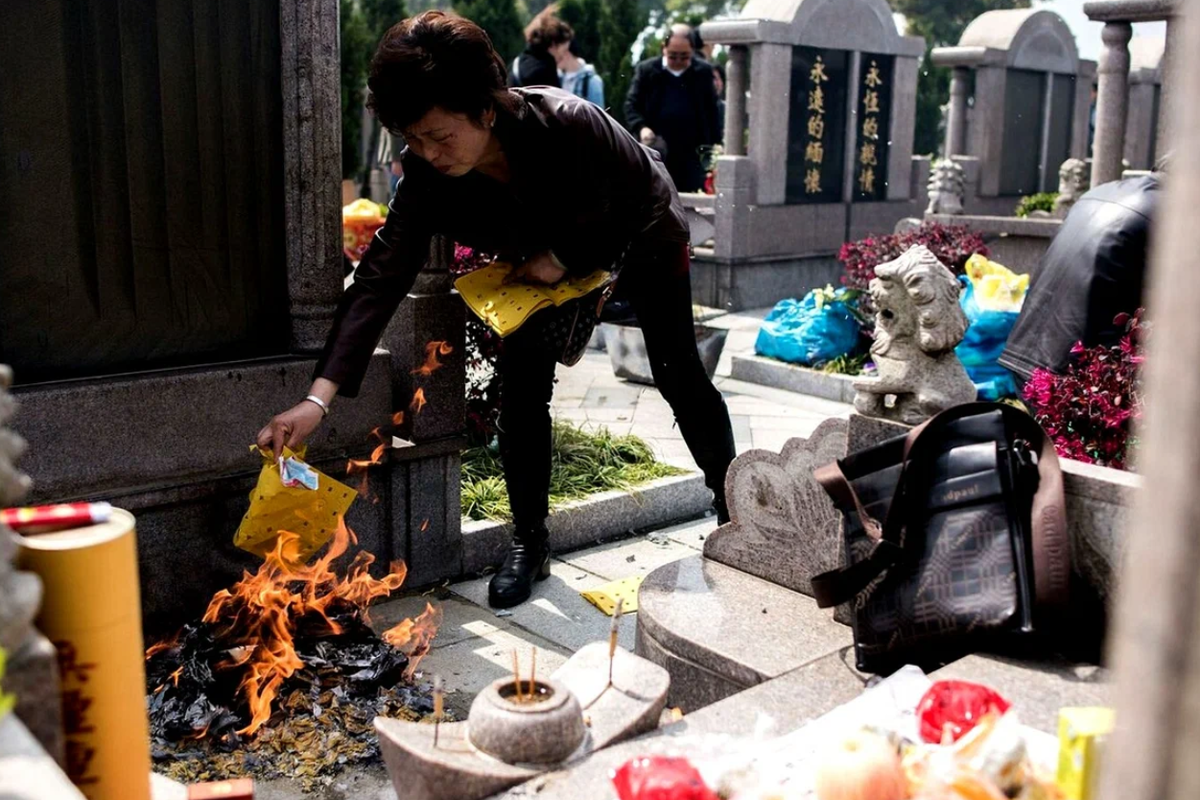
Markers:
<point>1050,538</point>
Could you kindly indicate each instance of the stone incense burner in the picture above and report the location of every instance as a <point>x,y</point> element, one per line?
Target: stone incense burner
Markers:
<point>508,740</point>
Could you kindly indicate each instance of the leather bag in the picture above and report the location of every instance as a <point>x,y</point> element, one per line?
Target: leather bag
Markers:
<point>955,538</point>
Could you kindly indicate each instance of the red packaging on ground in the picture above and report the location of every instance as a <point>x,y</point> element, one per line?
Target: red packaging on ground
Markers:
<point>660,778</point>
<point>953,708</point>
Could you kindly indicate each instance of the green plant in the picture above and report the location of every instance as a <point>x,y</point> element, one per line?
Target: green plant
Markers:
<point>357,46</point>
<point>585,18</point>
<point>619,28</point>
<point>582,463</point>
<point>501,21</point>
<point>1036,202</point>
<point>849,364</point>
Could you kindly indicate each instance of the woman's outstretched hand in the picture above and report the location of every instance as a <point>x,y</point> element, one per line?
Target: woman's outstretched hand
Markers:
<point>541,268</point>
<point>291,428</point>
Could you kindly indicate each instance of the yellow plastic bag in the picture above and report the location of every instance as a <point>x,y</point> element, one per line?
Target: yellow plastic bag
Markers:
<point>312,514</point>
<point>997,288</point>
<point>506,306</point>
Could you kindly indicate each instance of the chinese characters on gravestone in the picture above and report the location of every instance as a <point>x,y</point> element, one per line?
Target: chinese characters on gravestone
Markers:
<point>872,143</point>
<point>814,153</point>
<point>817,125</point>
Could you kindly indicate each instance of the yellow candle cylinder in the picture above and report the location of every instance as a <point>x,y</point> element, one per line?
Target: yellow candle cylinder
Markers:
<point>91,610</point>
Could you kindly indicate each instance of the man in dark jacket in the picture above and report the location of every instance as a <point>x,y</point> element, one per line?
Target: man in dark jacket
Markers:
<point>673,98</point>
<point>1092,272</point>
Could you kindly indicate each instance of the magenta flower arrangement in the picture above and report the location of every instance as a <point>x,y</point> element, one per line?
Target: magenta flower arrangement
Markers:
<point>1089,411</point>
<point>952,244</point>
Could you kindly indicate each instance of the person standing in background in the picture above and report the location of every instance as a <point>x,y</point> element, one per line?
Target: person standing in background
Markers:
<point>396,171</point>
<point>579,77</point>
<point>673,98</point>
<point>546,41</point>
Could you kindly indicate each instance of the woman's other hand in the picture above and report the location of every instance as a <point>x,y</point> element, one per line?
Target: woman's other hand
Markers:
<point>542,268</point>
<point>648,137</point>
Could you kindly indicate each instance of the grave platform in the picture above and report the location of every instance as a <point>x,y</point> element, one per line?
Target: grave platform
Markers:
<point>800,697</point>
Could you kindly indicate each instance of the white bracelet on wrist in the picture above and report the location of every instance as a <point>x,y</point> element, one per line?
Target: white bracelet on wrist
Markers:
<point>321,404</point>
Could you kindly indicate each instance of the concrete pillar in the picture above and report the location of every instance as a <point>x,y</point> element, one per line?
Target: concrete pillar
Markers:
<point>312,163</point>
<point>956,125</point>
<point>770,111</point>
<point>735,102</point>
<point>1170,74</point>
<point>1156,632</point>
<point>1112,103</point>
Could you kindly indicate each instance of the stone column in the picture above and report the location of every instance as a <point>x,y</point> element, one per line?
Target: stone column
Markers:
<point>735,102</point>
<point>1170,74</point>
<point>956,125</point>
<point>770,110</point>
<point>312,159</point>
<point>426,508</point>
<point>1112,103</point>
<point>1156,632</point>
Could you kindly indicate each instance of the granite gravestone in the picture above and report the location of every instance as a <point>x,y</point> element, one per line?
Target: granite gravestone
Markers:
<point>784,527</point>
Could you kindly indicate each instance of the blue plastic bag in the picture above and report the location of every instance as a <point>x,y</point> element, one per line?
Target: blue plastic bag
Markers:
<point>981,347</point>
<point>817,329</point>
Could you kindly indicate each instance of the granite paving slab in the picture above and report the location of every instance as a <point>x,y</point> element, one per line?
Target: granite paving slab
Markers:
<point>693,534</point>
<point>733,624</point>
<point>1037,690</point>
<point>556,611</point>
<point>460,620</point>
<point>629,558</point>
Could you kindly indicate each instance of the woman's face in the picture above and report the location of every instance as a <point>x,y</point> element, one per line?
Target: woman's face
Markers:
<point>561,52</point>
<point>453,144</point>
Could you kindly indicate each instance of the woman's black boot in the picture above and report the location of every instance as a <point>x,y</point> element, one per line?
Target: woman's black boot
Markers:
<point>528,560</point>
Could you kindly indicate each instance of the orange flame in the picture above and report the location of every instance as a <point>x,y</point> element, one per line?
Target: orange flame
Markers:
<point>413,637</point>
<point>418,401</point>
<point>432,351</point>
<point>424,526</point>
<point>258,615</point>
<point>398,418</point>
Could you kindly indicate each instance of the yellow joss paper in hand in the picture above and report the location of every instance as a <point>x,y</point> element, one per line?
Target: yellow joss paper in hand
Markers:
<point>301,500</point>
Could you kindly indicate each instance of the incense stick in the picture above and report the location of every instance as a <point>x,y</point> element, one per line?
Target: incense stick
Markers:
<point>516,674</point>
<point>439,707</point>
<point>533,673</point>
<point>612,638</point>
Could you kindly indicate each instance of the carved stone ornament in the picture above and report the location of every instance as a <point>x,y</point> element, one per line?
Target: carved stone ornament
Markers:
<point>918,322</point>
<point>945,188</point>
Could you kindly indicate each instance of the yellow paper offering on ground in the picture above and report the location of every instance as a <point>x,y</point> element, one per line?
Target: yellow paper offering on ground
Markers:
<point>310,513</point>
<point>506,306</point>
<point>605,597</point>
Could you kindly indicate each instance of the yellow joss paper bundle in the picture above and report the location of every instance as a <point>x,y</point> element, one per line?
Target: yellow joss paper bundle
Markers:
<point>505,307</point>
<point>292,496</point>
<point>997,288</point>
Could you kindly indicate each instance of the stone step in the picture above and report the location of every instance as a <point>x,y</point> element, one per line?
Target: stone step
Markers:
<point>719,631</point>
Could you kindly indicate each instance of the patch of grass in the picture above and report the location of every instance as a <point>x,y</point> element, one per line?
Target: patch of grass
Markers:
<point>846,365</point>
<point>582,463</point>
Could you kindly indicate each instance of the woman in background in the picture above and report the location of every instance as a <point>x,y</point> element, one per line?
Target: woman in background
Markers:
<point>579,77</point>
<point>546,41</point>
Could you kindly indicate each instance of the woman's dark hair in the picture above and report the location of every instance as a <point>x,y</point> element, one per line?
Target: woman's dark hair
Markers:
<point>436,59</point>
<point>546,30</point>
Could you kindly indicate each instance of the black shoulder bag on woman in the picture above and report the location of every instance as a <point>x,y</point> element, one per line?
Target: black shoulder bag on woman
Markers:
<point>956,538</point>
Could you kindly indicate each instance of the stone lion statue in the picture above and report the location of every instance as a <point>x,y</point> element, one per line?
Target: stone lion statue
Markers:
<point>918,322</point>
<point>1073,180</point>
<point>945,188</point>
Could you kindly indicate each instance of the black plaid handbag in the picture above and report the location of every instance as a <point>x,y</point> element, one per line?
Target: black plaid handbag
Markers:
<point>972,552</point>
<point>565,330</point>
